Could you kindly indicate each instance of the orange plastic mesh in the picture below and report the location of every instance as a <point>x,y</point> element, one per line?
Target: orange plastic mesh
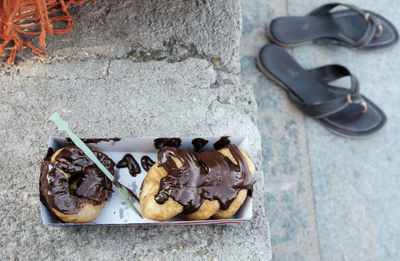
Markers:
<point>32,17</point>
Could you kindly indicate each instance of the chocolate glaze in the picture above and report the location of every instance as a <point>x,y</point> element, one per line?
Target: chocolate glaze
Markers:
<point>49,153</point>
<point>128,161</point>
<point>146,162</point>
<point>222,142</point>
<point>95,140</point>
<point>163,142</point>
<point>92,186</point>
<point>204,175</point>
<point>199,143</point>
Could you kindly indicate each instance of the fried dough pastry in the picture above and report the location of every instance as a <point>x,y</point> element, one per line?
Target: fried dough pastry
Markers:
<point>148,206</point>
<point>197,186</point>
<point>72,186</point>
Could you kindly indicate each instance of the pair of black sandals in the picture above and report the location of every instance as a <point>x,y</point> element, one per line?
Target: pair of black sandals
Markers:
<point>342,110</point>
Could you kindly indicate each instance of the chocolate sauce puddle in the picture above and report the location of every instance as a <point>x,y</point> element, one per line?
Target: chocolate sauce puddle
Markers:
<point>146,162</point>
<point>199,143</point>
<point>128,161</point>
<point>222,142</point>
<point>203,175</point>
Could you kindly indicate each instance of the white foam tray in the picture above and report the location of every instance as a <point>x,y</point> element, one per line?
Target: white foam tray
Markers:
<point>116,211</point>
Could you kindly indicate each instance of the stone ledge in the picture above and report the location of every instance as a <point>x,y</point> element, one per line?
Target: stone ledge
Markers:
<point>170,30</point>
<point>189,105</point>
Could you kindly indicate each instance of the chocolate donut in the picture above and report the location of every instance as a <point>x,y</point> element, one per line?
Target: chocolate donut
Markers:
<point>72,186</point>
<point>197,186</point>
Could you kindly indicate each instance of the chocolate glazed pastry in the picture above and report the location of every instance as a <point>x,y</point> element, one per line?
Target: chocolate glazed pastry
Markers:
<point>197,185</point>
<point>72,186</point>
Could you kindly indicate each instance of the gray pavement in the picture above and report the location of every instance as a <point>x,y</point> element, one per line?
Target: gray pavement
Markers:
<point>104,88</point>
<point>288,186</point>
<point>327,197</point>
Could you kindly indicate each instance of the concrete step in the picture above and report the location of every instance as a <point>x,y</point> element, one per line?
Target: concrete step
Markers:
<point>106,86</point>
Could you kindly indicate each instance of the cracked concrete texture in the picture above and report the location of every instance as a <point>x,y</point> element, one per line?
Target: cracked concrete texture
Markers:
<point>181,101</point>
<point>169,30</point>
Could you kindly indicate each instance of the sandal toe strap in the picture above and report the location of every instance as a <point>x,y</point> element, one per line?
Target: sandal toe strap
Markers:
<point>374,27</point>
<point>325,108</point>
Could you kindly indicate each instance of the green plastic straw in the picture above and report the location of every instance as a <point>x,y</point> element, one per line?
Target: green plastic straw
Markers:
<point>126,194</point>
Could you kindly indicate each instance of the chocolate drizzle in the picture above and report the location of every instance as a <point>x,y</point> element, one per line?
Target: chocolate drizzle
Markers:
<point>146,162</point>
<point>49,153</point>
<point>222,142</point>
<point>199,143</point>
<point>163,142</point>
<point>128,161</point>
<point>86,182</point>
<point>203,175</point>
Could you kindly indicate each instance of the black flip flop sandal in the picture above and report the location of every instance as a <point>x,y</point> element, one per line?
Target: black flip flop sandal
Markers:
<point>343,111</point>
<point>353,27</point>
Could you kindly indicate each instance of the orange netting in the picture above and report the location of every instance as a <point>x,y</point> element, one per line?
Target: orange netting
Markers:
<point>32,17</point>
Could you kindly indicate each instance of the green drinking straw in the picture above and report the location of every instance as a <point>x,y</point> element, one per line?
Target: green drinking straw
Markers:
<point>126,194</point>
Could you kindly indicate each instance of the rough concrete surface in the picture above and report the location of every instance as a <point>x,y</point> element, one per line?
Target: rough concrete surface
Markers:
<point>128,102</point>
<point>152,30</point>
<point>104,90</point>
